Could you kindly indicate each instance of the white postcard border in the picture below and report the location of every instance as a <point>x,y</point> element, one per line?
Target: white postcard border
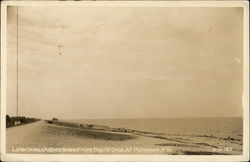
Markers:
<point>69,157</point>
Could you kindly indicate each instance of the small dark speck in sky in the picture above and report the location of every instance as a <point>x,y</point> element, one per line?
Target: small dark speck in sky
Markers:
<point>60,47</point>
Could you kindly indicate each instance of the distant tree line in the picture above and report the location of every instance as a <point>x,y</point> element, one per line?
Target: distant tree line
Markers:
<point>18,120</point>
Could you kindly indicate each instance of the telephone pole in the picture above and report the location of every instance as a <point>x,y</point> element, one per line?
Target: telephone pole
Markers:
<point>17,61</point>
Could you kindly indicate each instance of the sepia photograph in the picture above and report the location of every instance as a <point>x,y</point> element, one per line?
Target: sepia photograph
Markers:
<point>124,79</point>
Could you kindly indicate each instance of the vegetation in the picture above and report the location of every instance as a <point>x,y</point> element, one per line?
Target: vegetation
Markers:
<point>55,119</point>
<point>18,120</point>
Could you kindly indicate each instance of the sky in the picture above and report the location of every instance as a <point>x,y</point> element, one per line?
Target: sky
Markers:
<point>125,62</point>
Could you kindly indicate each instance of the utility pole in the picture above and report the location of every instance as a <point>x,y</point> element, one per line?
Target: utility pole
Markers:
<point>17,61</point>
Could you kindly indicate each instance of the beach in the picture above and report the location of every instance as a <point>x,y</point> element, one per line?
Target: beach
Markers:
<point>69,137</point>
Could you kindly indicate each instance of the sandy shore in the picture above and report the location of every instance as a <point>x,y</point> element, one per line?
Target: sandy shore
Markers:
<point>42,137</point>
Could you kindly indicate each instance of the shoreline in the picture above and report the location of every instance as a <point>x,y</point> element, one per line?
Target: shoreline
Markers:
<point>98,127</point>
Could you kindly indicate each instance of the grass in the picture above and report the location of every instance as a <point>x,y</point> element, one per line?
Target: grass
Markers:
<point>204,153</point>
<point>87,133</point>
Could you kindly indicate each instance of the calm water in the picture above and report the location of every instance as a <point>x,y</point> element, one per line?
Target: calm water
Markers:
<point>219,127</point>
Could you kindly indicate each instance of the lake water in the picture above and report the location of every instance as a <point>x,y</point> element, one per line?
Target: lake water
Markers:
<point>219,127</point>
